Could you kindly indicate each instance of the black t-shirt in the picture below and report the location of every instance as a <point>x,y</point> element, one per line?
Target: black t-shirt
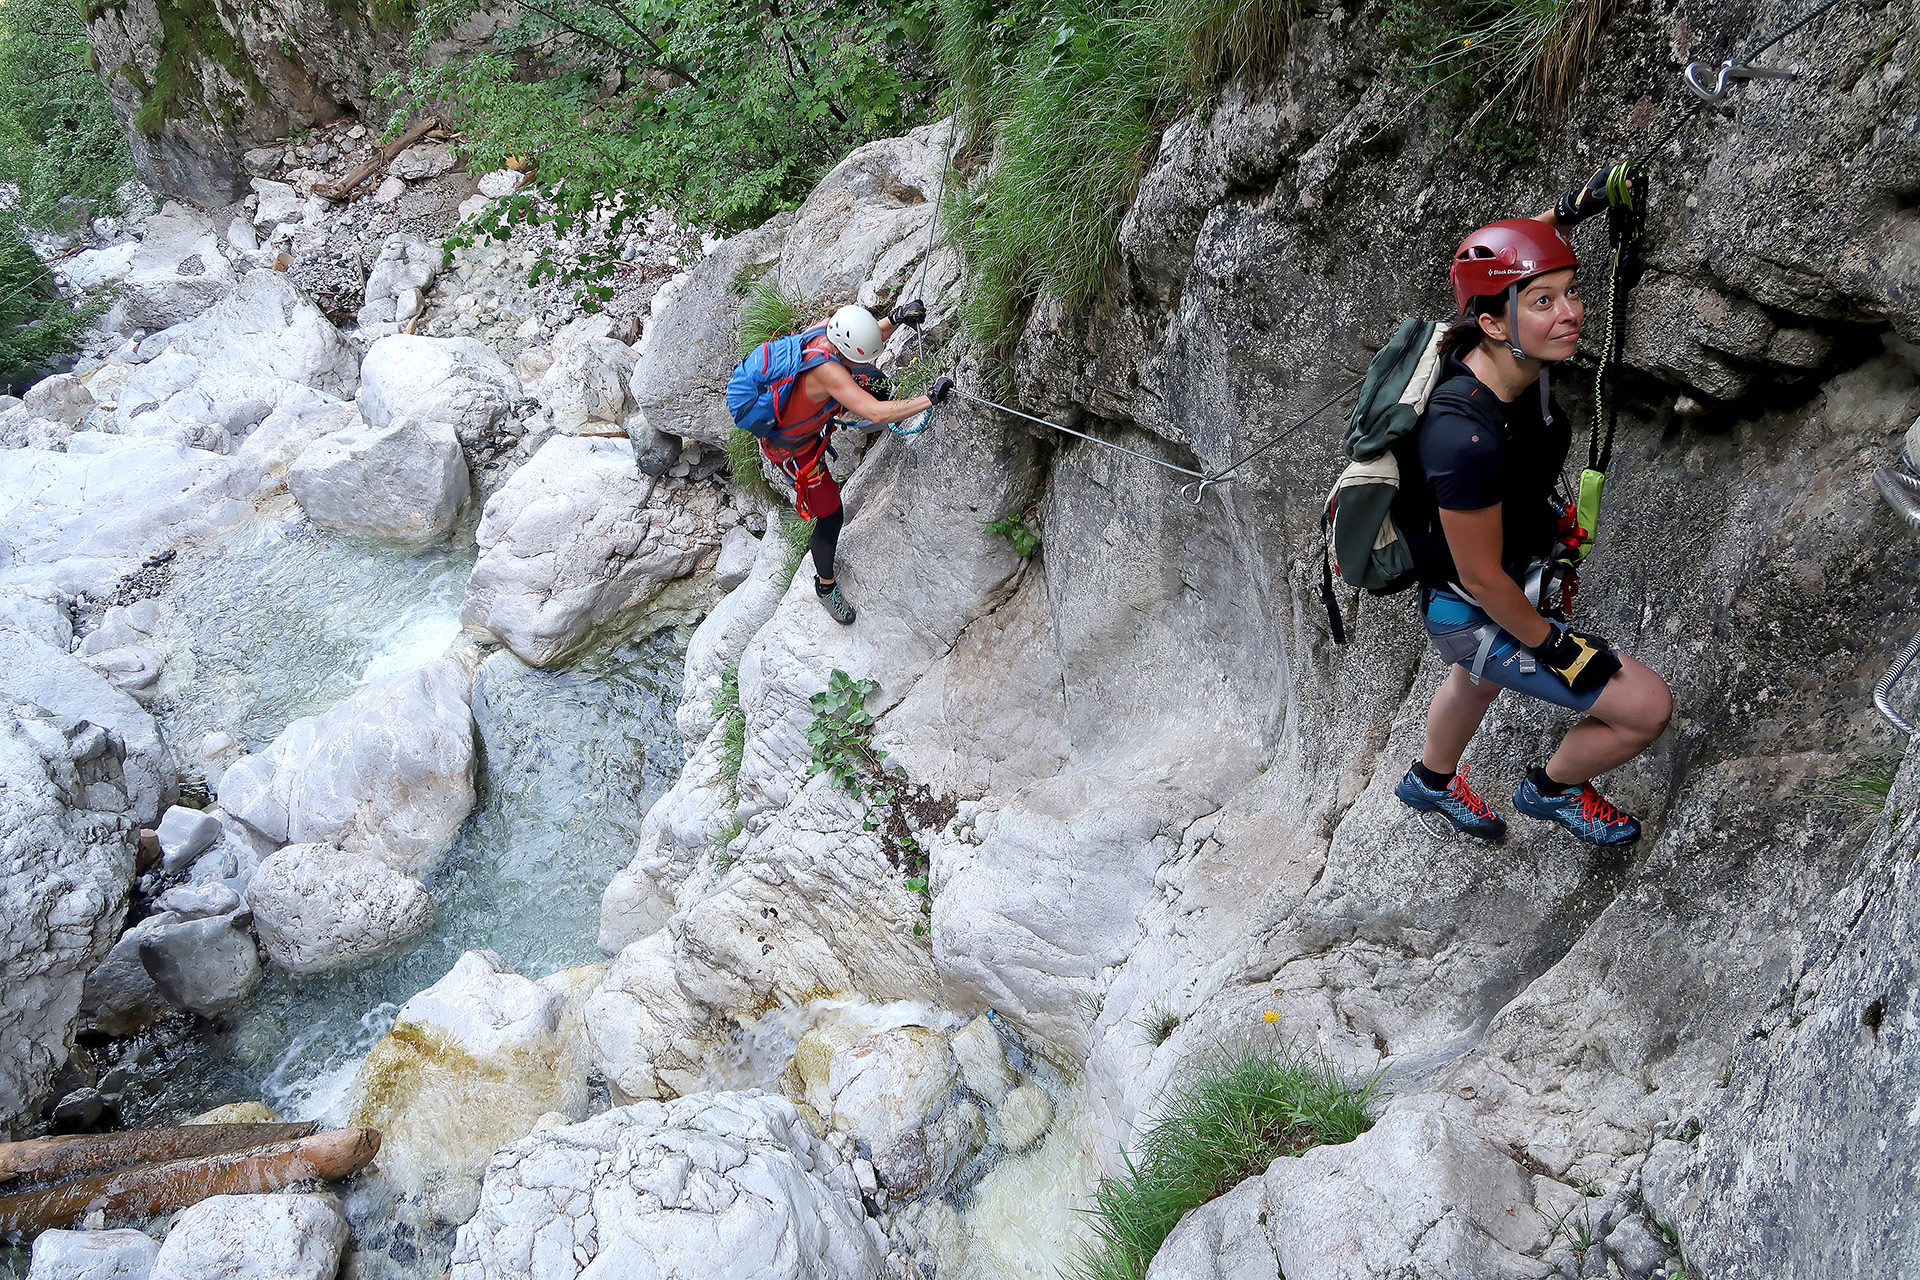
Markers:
<point>1474,450</point>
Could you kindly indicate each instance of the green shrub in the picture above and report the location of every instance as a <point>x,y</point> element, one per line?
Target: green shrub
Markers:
<point>743,464</point>
<point>1015,529</point>
<point>1498,61</point>
<point>1226,1123</point>
<point>63,150</point>
<point>723,112</point>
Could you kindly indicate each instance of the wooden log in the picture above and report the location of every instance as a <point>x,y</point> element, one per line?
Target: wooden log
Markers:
<point>379,160</point>
<point>142,1190</point>
<point>71,1156</point>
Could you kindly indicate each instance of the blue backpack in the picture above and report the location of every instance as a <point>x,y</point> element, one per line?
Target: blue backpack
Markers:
<point>760,384</point>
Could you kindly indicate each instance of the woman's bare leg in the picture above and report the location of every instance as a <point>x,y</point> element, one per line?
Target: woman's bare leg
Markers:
<point>1630,713</point>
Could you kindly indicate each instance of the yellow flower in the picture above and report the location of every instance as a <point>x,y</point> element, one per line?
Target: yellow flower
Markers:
<point>1467,43</point>
<point>1271,1016</point>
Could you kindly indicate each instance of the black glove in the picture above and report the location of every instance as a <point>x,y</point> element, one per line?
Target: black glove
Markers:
<point>1581,659</point>
<point>912,314</point>
<point>1574,207</point>
<point>940,390</point>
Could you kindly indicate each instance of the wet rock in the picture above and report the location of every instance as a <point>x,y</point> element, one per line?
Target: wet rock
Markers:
<point>248,1112</point>
<point>724,1186</point>
<point>66,860</point>
<point>92,1255</point>
<point>178,271</point>
<point>1022,1117</point>
<point>79,1109</point>
<point>403,480</point>
<point>575,537</point>
<point>388,771</point>
<point>458,381</point>
<point>294,424</point>
<point>206,966</point>
<point>471,1064</point>
<point>32,670</point>
<point>185,834</point>
<point>273,1237</point>
<point>641,1028</point>
<point>120,998</point>
<point>983,1060</point>
<point>890,1082</point>
<point>924,1159</point>
<point>316,906</point>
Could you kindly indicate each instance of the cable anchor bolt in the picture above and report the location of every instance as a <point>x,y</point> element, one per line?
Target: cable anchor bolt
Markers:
<point>1731,69</point>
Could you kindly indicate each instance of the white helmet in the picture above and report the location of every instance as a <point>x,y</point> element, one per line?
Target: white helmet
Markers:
<point>855,334</point>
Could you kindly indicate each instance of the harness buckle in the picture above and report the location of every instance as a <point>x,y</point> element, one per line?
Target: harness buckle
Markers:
<point>1731,69</point>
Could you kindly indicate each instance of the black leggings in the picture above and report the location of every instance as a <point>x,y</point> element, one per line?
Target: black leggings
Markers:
<point>826,537</point>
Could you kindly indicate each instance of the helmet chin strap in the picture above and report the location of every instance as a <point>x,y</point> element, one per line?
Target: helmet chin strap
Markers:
<point>1513,345</point>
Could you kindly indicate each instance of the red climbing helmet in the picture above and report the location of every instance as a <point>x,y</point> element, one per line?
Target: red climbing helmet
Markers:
<point>1507,253</point>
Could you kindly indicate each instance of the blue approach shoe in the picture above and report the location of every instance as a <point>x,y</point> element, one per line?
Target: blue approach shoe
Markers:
<point>1458,804</point>
<point>1584,811</point>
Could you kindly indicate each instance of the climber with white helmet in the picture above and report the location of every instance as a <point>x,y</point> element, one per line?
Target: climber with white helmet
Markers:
<point>851,341</point>
<point>1477,509</point>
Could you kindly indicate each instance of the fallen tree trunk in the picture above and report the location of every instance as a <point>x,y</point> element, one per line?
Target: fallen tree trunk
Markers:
<point>56,1159</point>
<point>367,168</point>
<point>143,1190</point>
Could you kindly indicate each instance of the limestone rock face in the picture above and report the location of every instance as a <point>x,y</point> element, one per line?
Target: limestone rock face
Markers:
<point>457,381</point>
<point>290,1237</point>
<point>206,965</point>
<point>404,480</point>
<point>68,861</point>
<point>388,771</point>
<point>890,1083</point>
<point>588,383</point>
<point>31,670</point>
<point>316,906</point>
<point>725,1186</point>
<point>575,537</point>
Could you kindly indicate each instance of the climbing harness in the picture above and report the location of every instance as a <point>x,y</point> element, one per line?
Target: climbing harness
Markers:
<point>1144,457</point>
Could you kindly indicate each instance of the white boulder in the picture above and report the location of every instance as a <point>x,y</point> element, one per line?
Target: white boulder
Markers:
<point>291,1237</point>
<point>316,906</point>
<point>725,1186</point>
<point>61,398</point>
<point>889,1083</point>
<point>42,613</point>
<point>575,537</point>
<point>66,860</point>
<point>294,424</point>
<point>398,281</point>
<point>641,1028</point>
<point>458,381</point>
<point>184,835</point>
<point>278,202</point>
<point>422,160</point>
<point>403,480</point>
<point>92,1255</point>
<point>177,272</point>
<point>587,382</point>
<point>91,270</point>
<point>500,183</point>
<point>388,771</point>
<point>207,965</point>
<point>738,551</point>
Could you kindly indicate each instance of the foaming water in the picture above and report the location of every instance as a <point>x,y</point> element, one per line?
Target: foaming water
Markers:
<point>1025,1219</point>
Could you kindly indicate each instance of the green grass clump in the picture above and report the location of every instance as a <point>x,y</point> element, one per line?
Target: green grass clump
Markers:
<point>796,533</point>
<point>1865,783</point>
<point>733,753</point>
<point>1159,1023</point>
<point>1232,1119</point>
<point>1074,94</point>
<point>771,312</point>
<point>743,464</point>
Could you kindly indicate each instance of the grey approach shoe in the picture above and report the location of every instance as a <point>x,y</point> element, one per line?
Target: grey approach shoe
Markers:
<point>834,603</point>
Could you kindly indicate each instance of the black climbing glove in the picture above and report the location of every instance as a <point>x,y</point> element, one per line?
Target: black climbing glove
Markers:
<point>940,390</point>
<point>1574,207</point>
<point>1581,659</point>
<point>914,314</point>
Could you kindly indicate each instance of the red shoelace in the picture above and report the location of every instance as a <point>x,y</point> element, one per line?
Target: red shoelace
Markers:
<point>1466,795</point>
<point>1594,806</point>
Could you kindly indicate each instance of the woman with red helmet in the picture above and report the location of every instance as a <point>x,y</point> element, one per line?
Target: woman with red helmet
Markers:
<point>1477,509</point>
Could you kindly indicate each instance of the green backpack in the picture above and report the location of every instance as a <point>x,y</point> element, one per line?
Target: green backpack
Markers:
<point>1362,546</point>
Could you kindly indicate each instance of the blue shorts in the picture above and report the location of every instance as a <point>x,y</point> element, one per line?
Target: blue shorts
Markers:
<point>1459,630</point>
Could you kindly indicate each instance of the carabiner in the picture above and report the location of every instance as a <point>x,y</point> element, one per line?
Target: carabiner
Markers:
<point>1731,69</point>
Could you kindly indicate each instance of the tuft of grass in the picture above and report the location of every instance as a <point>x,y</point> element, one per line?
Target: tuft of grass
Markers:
<point>1158,1024</point>
<point>771,311</point>
<point>1071,96</point>
<point>733,752</point>
<point>1225,1124</point>
<point>1865,783</point>
<point>796,533</point>
<point>743,464</point>
<point>1505,57</point>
